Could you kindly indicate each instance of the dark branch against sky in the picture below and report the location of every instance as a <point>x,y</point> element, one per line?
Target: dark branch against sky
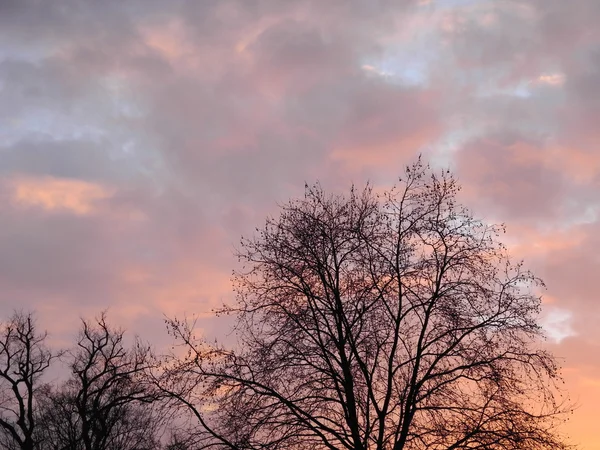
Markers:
<point>140,139</point>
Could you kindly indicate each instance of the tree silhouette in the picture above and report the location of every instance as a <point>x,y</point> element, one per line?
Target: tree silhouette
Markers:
<point>102,405</point>
<point>375,321</point>
<point>24,357</point>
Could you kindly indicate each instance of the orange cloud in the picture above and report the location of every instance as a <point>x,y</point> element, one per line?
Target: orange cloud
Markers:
<point>584,391</point>
<point>168,39</point>
<point>380,154</point>
<point>530,241</point>
<point>554,79</point>
<point>58,194</point>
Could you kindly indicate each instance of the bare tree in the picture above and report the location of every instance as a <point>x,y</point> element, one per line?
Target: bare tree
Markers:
<point>58,424</point>
<point>136,426</point>
<point>106,404</point>
<point>375,321</point>
<point>24,357</point>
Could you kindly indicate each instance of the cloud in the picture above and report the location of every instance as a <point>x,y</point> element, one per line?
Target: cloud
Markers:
<point>554,79</point>
<point>54,194</point>
<point>140,139</point>
<point>557,324</point>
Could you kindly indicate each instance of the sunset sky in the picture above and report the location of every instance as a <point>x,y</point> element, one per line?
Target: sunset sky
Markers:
<point>140,139</point>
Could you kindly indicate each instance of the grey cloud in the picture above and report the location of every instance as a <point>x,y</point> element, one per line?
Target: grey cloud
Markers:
<point>510,177</point>
<point>77,159</point>
<point>202,146</point>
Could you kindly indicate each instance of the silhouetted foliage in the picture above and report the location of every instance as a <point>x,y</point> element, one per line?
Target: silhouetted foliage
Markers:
<point>375,321</point>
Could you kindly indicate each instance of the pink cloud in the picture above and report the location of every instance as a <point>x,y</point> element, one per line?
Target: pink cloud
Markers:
<point>55,194</point>
<point>139,140</point>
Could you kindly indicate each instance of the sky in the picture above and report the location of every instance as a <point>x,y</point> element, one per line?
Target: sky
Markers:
<point>140,139</point>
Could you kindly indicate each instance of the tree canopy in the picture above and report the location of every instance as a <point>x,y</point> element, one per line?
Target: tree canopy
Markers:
<point>375,320</point>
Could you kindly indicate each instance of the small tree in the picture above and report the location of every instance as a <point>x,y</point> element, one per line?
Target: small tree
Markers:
<point>106,404</point>
<point>24,357</point>
<point>133,427</point>
<point>58,424</point>
<point>392,321</point>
